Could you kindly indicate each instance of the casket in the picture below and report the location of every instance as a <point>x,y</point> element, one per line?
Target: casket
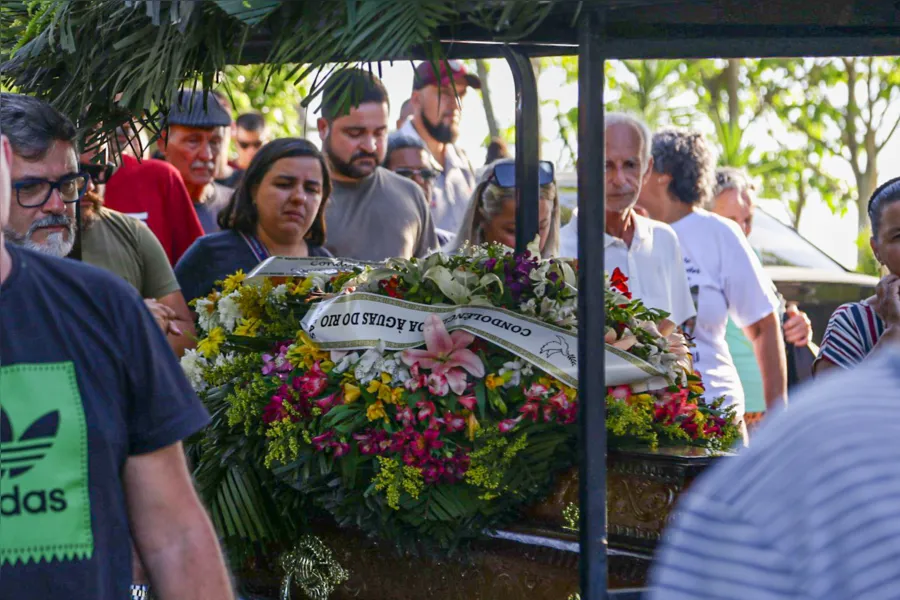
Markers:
<point>537,558</point>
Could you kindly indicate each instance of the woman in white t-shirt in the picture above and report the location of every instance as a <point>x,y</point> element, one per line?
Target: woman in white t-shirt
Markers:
<point>725,275</point>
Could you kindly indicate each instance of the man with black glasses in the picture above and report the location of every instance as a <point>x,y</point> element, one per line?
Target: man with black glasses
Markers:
<point>89,384</point>
<point>250,134</point>
<point>407,156</point>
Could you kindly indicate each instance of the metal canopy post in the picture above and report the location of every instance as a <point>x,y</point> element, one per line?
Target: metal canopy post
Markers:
<point>591,317</point>
<point>528,141</point>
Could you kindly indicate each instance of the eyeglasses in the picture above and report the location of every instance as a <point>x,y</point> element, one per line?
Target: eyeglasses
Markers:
<point>34,192</point>
<point>426,174</point>
<point>98,173</point>
<point>504,174</point>
<point>244,145</point>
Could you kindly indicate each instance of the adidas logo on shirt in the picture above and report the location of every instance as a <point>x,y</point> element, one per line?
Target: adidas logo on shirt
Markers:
<point>18,456</point>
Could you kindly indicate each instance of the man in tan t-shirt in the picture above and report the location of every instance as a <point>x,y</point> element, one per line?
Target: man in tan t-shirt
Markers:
<point>373,214</point>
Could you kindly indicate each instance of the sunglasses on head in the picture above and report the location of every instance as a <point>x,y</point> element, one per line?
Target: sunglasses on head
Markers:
<point>426,174</point>
<point>244,145</point>
<point>504,174</point>
<point>99,173</point>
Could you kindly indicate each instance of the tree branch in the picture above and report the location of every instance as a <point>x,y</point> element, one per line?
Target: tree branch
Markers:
<point>872,99</point>
<point>889,135</point>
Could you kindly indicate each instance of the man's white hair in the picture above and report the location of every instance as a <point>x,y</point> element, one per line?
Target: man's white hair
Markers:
<point>621,118</point>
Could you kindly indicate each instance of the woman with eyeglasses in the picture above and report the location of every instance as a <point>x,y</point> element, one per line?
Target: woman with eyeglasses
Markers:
<point>278,210</point>
<point>491,216</point>
<point>858,329</point>
<point>724,274</point>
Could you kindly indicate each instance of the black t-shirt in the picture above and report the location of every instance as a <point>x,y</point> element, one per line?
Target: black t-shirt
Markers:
<point>214,257</point>
<point>86,380</point>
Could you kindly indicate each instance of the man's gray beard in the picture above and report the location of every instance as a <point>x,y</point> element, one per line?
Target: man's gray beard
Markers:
<point>55,244</point>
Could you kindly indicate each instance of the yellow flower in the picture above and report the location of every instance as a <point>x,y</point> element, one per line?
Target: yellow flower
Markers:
<point>209,346</point>
<point>233,282</point>
<point>248,327</point>
<point>305,353</point>
<point>376,411</point>
<point>472,425</point>
<point>384,393</point>
<point>570,393</point>
<point>397,396</point>
<point>383,389</point>
<point>252,301</point>
<point>351,393</point>
<point>546,382</point>
<point>302,287</point>
<point>492,381</point>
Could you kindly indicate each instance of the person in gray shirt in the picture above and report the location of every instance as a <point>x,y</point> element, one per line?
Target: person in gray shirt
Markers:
<point>373,214</point>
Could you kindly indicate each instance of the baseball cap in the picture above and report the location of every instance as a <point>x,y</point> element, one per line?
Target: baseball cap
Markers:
<point>425,75</point>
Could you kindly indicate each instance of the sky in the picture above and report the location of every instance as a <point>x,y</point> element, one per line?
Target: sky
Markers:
<point>833,234</point>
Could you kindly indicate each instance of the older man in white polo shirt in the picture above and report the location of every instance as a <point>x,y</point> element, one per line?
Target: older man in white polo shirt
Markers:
<point>646,251</point>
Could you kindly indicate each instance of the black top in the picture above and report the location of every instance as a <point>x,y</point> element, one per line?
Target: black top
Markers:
<point>87,379</point>
<point>214,257</point>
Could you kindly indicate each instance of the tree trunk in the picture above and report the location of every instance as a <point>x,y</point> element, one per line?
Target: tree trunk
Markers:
<point>493,128</point>
<point>801,200</point>
<point>732,84</point>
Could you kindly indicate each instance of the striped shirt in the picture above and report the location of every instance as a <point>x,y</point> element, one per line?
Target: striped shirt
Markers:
<point>810,510</point>
<point>852,332</point>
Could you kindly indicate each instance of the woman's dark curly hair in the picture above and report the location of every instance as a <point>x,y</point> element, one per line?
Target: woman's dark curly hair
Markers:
<point>689,160</point>
<point>887,193</point>
<point>241,214</point>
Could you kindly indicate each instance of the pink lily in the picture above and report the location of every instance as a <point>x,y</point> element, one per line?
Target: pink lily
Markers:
<point>405,416</point>
<point>536,392</point>
<point>329,402</point>
<point>530,410</point>
<point>454,423</point>
<point>426,409</point>
<point>507,425</point>
<point>621,392</point>
<point>446,354</point>
<point>416,380</point>
<point>468,402</point>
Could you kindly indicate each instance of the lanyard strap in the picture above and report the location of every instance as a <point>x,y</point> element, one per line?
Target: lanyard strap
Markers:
<point>256,247</point>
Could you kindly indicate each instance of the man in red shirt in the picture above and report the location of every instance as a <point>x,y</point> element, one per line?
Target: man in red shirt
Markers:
<point>154,192</point>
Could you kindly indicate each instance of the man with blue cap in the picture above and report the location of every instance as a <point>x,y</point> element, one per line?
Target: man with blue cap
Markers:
<point>191,141</point>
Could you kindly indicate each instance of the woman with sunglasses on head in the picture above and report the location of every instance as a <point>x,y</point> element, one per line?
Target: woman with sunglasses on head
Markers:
<point>491,216</point>
<point>858,329</point>
<point>278,210</point>
<point>725,276</point>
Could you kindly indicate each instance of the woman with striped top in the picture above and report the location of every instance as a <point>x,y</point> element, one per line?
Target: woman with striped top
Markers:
<point>857,329</point>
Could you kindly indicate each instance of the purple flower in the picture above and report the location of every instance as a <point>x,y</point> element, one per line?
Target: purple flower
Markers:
<point>320,442</point>
<point>340,448</point>
<point>489,264</point>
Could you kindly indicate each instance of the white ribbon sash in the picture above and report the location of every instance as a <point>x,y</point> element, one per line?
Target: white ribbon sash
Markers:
<point>286,266</point>
<point>362,320</point>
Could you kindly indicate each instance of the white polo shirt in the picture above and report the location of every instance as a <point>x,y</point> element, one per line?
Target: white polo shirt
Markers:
<point>653,265</point>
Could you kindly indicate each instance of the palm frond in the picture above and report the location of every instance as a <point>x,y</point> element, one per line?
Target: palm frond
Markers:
<point>105,61</point>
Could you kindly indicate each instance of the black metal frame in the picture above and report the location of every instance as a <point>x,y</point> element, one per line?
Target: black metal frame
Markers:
<point>527,148</point>
<point>633,29</point>
<point>591,315</point>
